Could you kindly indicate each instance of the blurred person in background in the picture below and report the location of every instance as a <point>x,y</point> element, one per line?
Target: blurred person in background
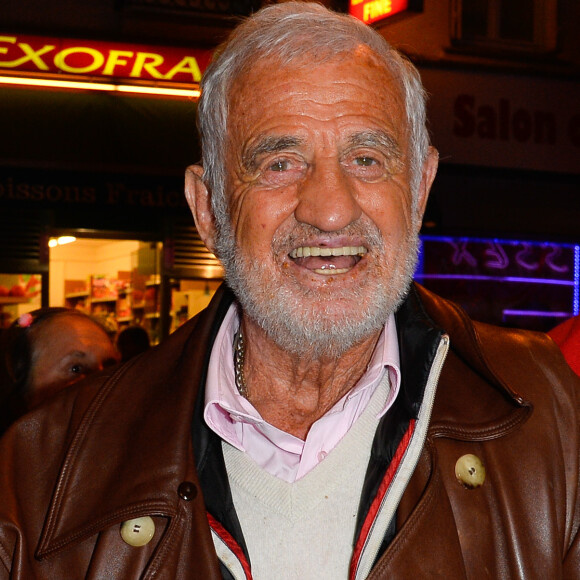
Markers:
<point>45,351</point>
<point>132,341</point>
<point>567,337</point>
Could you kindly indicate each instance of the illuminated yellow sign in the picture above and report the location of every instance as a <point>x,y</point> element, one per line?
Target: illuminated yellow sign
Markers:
<point>370,11</point>
<point>102,59</point>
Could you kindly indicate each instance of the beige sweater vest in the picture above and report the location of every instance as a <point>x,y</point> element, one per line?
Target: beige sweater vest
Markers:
<point>305,530</point>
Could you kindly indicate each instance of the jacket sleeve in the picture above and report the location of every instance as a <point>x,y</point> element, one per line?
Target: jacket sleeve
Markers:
<point>11,544</point>
<point>571,564</point>
<point>31,453</point>
<point>572,561</point>
<point>6,550</point>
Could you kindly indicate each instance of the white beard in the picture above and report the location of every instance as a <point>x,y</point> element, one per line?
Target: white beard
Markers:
<point>303,320</point>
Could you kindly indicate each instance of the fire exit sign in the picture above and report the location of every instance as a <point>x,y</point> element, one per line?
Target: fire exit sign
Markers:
<point>370,11</point>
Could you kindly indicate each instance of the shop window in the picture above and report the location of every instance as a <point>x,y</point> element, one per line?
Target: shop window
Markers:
<point>506,25</point>
<point>123,283</point>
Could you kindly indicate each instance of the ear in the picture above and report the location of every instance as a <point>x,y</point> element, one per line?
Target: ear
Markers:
<point>199,200</point>
<point>429,171</point>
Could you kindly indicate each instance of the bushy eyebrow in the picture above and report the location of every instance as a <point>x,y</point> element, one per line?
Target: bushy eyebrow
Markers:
<point>75,355</point>
<point>274,143</point>
<point>379,139</point>
<point>265,145</point>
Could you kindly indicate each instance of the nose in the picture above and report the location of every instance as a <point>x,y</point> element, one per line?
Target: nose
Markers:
<point>327,200</point>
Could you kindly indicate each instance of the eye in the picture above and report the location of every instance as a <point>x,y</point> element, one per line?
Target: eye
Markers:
<point>282,171</point>
<point>279,165</point>
<point>77,369</point>
<point>366,166</point>
<point>365,161</point>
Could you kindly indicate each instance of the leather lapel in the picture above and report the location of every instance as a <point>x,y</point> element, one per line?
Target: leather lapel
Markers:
<point>132,447</point>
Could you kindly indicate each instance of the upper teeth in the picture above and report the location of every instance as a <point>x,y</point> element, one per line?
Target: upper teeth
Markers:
<point>307,251</point>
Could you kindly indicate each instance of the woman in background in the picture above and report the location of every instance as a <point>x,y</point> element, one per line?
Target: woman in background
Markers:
<point>47,350</point>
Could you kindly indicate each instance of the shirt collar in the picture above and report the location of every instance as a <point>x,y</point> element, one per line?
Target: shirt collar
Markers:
<point>225,408</point>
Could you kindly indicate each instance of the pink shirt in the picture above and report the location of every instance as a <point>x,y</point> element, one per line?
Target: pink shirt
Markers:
<point>285,456</point>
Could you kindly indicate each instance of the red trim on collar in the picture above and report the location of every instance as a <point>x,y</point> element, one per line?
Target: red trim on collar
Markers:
<point>375,506</point>
<point>230,543</point>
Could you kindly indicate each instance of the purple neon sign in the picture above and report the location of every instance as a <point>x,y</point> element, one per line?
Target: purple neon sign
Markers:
<point>515,283</point>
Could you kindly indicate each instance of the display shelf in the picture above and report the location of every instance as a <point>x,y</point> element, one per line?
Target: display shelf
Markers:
<point>72,295</point>
<point>121,301</point>
<point>14,300</point>
<point>102,300</point>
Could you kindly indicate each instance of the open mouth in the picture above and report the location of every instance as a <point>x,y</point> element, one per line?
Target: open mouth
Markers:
<point>328,261</point>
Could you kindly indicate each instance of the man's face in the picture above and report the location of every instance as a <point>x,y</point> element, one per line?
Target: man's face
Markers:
<point>65,350</point>
<point>323,232</point>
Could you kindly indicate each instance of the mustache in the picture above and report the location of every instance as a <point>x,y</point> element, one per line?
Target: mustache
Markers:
<point>300,234</point>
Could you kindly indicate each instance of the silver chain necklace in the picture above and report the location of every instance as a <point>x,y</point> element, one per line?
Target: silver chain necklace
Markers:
<point>239,356</point>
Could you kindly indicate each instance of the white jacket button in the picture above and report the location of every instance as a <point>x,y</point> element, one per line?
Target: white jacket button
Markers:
<point>138,532</point>
<point>470,471</point>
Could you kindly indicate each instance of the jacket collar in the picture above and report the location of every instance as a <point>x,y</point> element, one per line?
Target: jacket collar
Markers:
<point>148,402</point>
<point>479,392</point>
<point>472,401</point>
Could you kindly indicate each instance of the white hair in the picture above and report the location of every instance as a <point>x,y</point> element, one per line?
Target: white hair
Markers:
<point>292,32</point>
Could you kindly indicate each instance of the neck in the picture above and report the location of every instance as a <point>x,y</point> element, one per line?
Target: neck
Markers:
<point>292,392</point>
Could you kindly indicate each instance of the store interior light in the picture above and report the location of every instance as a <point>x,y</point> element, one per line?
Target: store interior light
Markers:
<point>91,86</point>
<point>53,242</point>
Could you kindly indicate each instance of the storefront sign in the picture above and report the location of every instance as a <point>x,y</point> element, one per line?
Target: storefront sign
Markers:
<point>504,120</point>
<point>101,59</point>
<point>370,11</point>
<point>78,189</point>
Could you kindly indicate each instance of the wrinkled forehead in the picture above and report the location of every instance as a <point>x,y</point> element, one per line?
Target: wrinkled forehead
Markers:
<point>357,81</point>
<point>67,326</point>
<point>273,63</point>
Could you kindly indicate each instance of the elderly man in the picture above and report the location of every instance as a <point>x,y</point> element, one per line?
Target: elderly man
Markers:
<point>324,418</point>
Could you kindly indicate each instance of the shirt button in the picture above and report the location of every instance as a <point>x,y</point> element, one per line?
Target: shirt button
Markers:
<point>470,471</point>
<point>138,532</point>
<point>187,490</point>
<point>321,455</point>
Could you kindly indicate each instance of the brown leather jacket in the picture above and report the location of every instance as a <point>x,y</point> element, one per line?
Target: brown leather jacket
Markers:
<point>124,445</point>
